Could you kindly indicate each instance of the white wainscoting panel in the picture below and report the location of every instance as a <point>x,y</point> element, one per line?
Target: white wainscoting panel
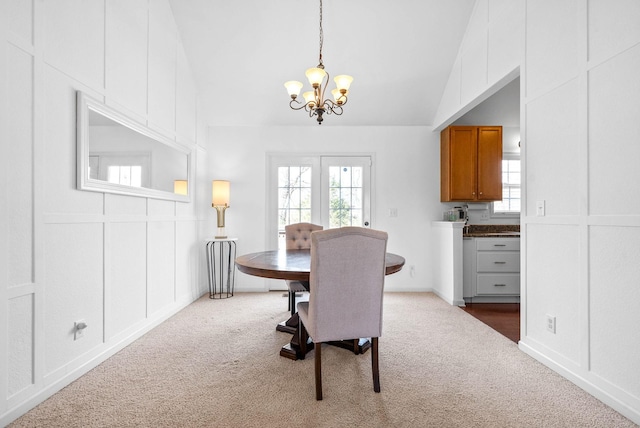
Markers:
<point>162,66</point>
<point>19,182</point>
<point>74,39</point>
<point>20,333</point>
<point>552,50</point>
<point>161,267</point>
<point>552,120</point>
<point>614,253</point>
<point>126,53</point>
<point>613,144</point>
<point>127,281</point>
<point>74,290</point>
<point>553,257</point>
<point>614,27</point>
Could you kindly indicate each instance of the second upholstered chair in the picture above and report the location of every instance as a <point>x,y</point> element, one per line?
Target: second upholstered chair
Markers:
<point>346,289</point>
<point>298,237</point>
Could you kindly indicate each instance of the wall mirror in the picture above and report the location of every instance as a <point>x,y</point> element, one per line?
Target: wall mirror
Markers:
<point>116,154</point>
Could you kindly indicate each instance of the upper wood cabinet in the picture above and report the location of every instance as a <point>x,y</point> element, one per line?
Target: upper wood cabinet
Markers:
<point>471,163</point>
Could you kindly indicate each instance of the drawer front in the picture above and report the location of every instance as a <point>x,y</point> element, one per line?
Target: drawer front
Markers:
<point>507,244</point>
<point>489,261</point>
<point>498,284</point>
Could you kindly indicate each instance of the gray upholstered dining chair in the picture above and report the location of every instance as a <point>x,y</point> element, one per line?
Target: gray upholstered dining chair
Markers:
<point>346,285</point>
<point>298,237</point>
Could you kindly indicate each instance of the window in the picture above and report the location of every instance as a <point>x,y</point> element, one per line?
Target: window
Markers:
<point>510,204</point>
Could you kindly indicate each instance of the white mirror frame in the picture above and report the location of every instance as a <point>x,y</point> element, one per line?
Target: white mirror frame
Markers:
<point>85,103</point>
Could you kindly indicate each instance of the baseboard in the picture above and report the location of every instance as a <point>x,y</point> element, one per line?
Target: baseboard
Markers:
<point>607,398</point>
<point>48,390</point>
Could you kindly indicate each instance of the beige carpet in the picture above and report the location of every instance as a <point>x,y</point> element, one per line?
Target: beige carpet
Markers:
<point>216,364</point>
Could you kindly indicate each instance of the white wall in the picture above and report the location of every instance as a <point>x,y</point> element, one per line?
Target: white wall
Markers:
<point>580,104</point>
<point>405,173</point>
<point>121,263</point>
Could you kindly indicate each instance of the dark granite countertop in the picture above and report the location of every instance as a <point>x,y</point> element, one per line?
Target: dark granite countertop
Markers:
<point>492,231</point>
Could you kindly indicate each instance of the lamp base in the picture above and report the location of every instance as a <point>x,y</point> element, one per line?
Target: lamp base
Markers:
<point>221,233</point>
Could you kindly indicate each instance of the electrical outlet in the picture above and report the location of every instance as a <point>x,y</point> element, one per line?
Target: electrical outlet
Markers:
<point>484,215</point>
<point>393,212</point>
<point>78,329</point>
<point>540,208</point>
<point>551,324</point>
<point>412,271</point>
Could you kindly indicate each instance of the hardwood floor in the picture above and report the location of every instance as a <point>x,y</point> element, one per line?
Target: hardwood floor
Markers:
<point>502,317</point>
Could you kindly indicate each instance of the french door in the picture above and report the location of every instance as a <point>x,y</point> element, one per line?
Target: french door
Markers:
<point>334,191</point>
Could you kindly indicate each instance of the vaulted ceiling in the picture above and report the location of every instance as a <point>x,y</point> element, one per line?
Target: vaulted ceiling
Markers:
<point>399,52</point>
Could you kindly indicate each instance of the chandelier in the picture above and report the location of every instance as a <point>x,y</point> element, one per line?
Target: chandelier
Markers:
<point>315,103</point>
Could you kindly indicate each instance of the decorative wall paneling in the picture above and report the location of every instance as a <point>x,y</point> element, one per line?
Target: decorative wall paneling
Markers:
<point>578,62</point>
<point>123,264</point>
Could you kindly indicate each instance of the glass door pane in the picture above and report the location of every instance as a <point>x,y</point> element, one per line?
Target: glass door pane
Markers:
<point>345,181</point>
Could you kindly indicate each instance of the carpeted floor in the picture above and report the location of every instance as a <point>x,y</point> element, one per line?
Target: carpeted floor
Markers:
<point>216,364</point>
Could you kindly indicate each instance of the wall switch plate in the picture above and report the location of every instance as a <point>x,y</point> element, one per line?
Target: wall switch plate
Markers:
<point>484,216</point>
<point>551,324</point>
<point>393,212</point>
<point>540,208</point>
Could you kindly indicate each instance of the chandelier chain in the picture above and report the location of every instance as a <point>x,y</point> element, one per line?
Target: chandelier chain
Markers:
<point>321,34</point>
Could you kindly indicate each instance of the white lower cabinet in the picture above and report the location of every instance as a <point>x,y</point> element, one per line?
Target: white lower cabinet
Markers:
<point>491,269</point>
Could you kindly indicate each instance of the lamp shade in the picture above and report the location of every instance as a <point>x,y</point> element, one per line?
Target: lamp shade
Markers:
<point>309,96</point>
<point>293,87</point>
<point>315,76</point>
<point>220,193</point>
<point>343,82</point>
<point>338,96</point>
<point>180,187</point>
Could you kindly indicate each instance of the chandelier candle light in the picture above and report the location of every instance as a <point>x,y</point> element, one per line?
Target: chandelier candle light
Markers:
<point>220,201</point>
<point>315,102</point>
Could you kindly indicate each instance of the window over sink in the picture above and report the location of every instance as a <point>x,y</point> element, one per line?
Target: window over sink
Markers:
<point>510,204</point>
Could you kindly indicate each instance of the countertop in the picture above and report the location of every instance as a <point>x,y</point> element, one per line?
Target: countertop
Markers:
<point>491,231</point>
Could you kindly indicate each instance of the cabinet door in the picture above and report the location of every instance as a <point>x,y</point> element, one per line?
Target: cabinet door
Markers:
<point>462,161</point>
<point>489,163</point>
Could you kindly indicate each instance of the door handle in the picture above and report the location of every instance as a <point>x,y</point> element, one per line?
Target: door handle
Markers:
<point>366,223</point>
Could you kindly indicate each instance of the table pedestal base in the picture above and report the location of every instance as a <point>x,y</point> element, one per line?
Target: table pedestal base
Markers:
<point>289,326</point>
<point>293,351</point>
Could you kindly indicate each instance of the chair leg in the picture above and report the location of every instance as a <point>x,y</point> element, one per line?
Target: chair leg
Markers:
<point>374,364</point>
<point>318,364</point>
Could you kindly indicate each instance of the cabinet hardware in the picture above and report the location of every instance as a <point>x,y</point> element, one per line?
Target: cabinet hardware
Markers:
<point>499,263</point>
<point>499,245</point>
<point>499,285</point>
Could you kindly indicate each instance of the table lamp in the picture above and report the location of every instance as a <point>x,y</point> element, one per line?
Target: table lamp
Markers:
<point>220,201</point>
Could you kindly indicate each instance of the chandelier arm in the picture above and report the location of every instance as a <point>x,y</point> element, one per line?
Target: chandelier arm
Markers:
<point>331,107</point>
<point>302,106</point>
<point>323,90</point>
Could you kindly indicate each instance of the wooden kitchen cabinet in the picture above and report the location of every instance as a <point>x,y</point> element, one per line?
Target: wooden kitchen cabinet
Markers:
<point>471,163</point>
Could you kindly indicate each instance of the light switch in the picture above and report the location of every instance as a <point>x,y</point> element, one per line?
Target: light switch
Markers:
<point>540,208</point>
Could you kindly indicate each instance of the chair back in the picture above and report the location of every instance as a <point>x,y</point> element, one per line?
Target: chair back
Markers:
<point>298,235</point>
<point>346,283</point>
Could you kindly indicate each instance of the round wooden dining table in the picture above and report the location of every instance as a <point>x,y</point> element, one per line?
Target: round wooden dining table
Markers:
<point>295,265</point>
